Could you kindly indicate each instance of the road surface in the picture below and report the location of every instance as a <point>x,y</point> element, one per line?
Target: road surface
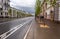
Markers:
<point>15,29</point>
<point>28,28</point>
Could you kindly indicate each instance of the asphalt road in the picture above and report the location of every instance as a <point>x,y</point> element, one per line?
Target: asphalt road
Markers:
<point>28,28</point>
<point>15,29</point>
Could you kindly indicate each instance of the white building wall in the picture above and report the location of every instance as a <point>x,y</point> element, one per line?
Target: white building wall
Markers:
<point>59,10</point>
<point>5,9</point>
<point>56,12</point>
<point>1,8</point>
<point>59,13</point>
<point>14,12</point>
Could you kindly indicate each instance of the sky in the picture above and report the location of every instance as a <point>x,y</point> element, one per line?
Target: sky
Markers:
<point>27,5</point>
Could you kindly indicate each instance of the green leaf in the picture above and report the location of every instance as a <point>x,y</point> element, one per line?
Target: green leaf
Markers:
<point>38,7</point>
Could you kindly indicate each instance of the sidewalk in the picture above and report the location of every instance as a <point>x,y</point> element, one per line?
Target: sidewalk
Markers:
<point>51,30</point>
<point>34,31</point>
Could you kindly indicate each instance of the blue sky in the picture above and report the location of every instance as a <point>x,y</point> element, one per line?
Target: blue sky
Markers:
<point>23,4</point>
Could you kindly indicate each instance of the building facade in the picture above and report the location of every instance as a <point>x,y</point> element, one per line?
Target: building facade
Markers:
<point>57,11</point>
<point>48,10</point>
<point>4,6</point>
<point>12,12</point>
<point>46,7</point>
<point>16,13</point>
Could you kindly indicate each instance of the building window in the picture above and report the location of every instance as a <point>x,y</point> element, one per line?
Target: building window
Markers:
<point>1,9</point>
<point>51,11</point>
<point>5,13</point>
<point>1,13</point>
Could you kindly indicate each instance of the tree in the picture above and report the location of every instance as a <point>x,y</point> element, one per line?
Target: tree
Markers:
<point>38,7</point>
<point>47,1</point>
<point>53,3</point>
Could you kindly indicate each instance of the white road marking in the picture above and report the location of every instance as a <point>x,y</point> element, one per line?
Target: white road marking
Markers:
<point>4,36</point>
<point>27,32</point>
<point>12,32</point>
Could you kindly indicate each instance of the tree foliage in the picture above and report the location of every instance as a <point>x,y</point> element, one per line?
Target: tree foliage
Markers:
<point>47,1</point>
<point>38,7</point>
<point>53,3</point>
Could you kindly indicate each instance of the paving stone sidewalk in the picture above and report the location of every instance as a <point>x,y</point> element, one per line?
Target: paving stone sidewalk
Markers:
<point>51,30</point>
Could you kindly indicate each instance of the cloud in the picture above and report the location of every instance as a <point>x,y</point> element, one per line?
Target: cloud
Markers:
<point>27,3</point>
